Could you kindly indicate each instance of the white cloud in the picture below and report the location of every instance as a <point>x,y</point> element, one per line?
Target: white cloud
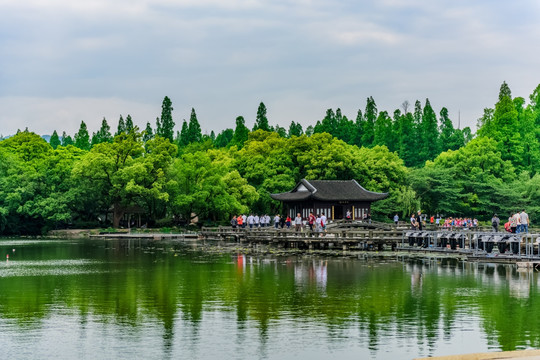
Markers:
<point>67,61</point>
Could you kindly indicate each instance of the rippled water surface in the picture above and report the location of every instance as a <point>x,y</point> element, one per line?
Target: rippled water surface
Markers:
<point>143,300</point>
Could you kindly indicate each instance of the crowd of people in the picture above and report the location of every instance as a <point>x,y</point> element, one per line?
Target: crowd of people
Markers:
<point>518,222</point>
<point>253,221</point>
<point>419,220</point>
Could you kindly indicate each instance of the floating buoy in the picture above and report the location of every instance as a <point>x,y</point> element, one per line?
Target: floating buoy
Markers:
<point>7,256</point>
<point>13,250</point>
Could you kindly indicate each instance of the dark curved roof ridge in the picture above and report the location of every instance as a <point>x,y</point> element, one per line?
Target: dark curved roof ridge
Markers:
<point>330,190</point>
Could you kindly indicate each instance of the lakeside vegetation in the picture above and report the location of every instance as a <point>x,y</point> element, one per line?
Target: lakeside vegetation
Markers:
<point>420,159</point>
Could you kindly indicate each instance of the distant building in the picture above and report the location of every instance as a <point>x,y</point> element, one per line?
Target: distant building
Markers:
<point>333,198</point>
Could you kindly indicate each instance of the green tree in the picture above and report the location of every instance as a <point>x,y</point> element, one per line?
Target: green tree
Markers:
<point>55,140</point>
<point>121,129</point>
<point>370,115</point>
<point>295,129</point>
<point>34,183</point>
<point>345,128</point>
<point>206,186</point>
<point>327,125</point>
<point>82,138</point>
<point>473,180</point>
<point>261,122</point>
<point>280,131</point>
<point>103,135</point>
<point>418,132</point>
<point>194,129</point>
<point>66,139</point>
<point>430,134</point>
<point>408,141</point>
<point>129,124</point>
<point>165,124</point>
<point>383,130</point>
<point>122,177</point>
<point>358,128</point>
<point>224,138</point>
<point>504,128</point>
<point>183,140</point>
<point>241,132</point>
<point>148,134</point>
<point>450,138</point>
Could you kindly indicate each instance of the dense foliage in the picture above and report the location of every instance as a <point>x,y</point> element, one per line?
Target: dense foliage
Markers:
<point>419,158</point>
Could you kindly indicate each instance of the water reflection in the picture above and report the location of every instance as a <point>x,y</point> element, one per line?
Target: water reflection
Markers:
<point>115,295</point>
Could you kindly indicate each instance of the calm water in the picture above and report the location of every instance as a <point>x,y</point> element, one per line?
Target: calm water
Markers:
<point>134,300</point>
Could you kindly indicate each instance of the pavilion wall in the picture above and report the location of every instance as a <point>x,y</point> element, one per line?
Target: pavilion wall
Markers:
<point>333,210</point>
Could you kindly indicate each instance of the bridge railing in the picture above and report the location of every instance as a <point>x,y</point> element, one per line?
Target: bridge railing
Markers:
<point>477,242</point>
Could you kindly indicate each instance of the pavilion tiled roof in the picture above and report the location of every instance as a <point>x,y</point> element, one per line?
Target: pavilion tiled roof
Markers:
<point>329,190</point>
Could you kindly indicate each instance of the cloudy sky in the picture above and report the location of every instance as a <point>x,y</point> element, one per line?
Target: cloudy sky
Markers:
<point>65,61</point>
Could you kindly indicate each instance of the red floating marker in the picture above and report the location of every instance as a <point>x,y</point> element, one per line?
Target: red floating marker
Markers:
<point>7,256</point>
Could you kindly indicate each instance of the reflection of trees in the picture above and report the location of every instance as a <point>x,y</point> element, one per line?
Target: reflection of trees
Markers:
<point>412,298</point>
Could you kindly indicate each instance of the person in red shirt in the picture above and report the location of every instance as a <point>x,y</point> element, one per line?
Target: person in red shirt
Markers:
<point>240,221</point>
<point>311,221</point>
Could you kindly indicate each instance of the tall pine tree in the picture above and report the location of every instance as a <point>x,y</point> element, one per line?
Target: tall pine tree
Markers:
<point>121,129</point>
<point>370,116</point>
<point>430,134</point>
<point>104,133</point>
<point>129,124</point>
<point>82,138</point>
<point>295,129</point>
<point>261,122</point>
<point>382,133</point>
<point>165,124</point>
<point>359,128</point>
<point>194,129</point>
<point>148,133</point>
<point>183,139</point>
<point>55,140</point>
<point>66,139</point>
<point>241,132</point>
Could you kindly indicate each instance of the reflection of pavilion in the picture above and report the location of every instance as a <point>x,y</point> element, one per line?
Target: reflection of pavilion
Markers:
<point>315,272</point>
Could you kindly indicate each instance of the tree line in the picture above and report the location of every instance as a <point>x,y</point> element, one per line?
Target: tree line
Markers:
<point>420,159</point>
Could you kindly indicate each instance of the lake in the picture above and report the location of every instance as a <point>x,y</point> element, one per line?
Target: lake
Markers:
<point>105,299</point>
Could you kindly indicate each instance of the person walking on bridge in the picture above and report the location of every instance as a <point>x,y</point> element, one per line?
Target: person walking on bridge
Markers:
<point>495,221</point>
<point>419,220</point>
<point>524,217</point>
<point>298,222</point>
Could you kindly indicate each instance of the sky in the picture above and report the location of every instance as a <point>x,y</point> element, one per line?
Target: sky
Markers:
<point>63,62</point>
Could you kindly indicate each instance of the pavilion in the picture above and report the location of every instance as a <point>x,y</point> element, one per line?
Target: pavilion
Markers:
<point>333,198</point>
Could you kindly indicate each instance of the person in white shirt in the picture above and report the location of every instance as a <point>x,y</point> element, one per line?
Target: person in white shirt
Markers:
<point>298,222</point>
<point>524,217</point>
<point>276,221</point>
<point>318,222</point>
<point>517,220</point>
